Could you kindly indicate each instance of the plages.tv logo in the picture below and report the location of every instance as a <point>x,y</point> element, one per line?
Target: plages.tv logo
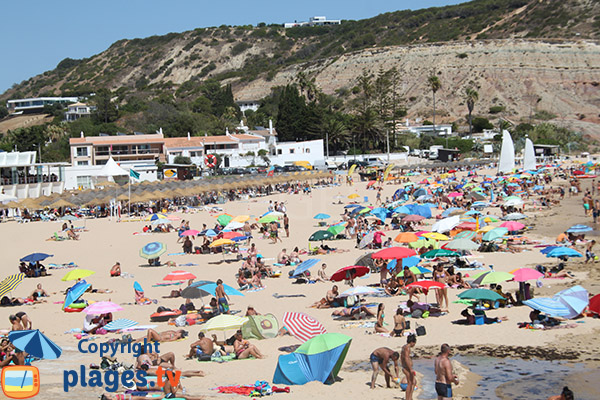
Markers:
<point>20,381</point>
<point>110,379</point>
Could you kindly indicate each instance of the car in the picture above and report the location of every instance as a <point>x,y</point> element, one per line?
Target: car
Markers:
<point>252,170</point>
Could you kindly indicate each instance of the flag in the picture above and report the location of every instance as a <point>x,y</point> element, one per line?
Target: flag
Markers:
<point>387,171</point>
<point>134,174</point>
<point>271,171</point>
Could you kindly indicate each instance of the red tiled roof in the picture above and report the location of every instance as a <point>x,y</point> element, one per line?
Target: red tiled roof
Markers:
<point>118,139</point>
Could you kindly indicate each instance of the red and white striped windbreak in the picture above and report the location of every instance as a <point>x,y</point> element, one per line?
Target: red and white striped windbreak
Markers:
<point>302,326</point>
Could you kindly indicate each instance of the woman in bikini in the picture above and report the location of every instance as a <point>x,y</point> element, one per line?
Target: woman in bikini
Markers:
<point>380,319</point>
<point>243,348</point>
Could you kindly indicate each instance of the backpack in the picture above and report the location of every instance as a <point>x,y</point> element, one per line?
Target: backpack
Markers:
<point>350,301</point>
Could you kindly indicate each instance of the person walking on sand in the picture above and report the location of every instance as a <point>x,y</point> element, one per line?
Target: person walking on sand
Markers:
<point>380,358</point>
<point>444,376</point>
<point>222,298</point>
<point>407,365</point>
<point>286,225</point>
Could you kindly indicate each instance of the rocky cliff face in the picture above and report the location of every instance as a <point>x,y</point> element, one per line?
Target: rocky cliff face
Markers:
<point>524,76</point>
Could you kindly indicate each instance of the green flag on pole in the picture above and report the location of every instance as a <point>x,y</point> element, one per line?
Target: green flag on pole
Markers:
<point>134,174</point>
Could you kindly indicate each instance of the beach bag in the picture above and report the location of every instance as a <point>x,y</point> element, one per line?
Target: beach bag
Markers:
<point>350,301</point>
<point>420,330</point>
<point>406,324</point>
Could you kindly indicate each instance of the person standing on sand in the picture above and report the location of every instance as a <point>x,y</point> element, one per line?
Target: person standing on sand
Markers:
<point>222,298</point>
<point>380,358</point>
<point>286,225</point>
<point>407,365</point>
<point>444,376</point>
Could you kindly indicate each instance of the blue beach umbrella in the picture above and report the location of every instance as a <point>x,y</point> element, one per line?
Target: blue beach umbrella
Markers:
<point>548,249</point>
<point>212,286</point>
<point>137,286</point>
<point>304,266</point>
<point>322,216</point>
<point>35,343</point>
<point>548,306</point>
<point>406,262</point>
<point>75,292</point>
<point>563,252</point>
<point>153,250</point>
<point>35,257</point>
<point>579,229</point>
<point>241,238</point>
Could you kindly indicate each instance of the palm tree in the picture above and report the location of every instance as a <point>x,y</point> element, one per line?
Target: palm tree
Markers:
<point>336,133</point>
<point>434,84</point>
<point>471,97</point>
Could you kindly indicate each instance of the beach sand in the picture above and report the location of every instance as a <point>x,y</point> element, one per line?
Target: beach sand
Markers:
<point>106,242</point>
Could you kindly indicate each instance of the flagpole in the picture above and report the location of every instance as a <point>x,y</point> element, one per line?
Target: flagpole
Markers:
<point>129,203</point>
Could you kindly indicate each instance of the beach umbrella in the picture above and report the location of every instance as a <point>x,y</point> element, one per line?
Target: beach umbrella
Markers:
<point>276,214</point>
<point>579,229</point>
<point>394,253</point>
<point>514,217</point>
<point>406,237</point>
<point>440,253</point>
<point>526,274</point>
<point>61,203</point>
<point>238,239</point>
<point>465,235</point>
<point>69,217</point>
<point>190,232</point>
<point>336,229</point>
<point>10,283</point>
<point>490,219</point>
<point>353,196</point>
<point>494,234</point>
<point>365,260</point>
<point>361,291</point>
<point>233,225</point>
<point>179,276</point>
<point>35,343</point>
<point>231,235</point>
<point>153,250</point>
<point>35,257</point>
<point>461,244</point>
<point>451,211</point>
<point>224,322</point>
<point>157,216</point>
<point>563,252</point>
<point>575,298</point>
<point>240,218</point>
<point>75,292</point>
<point>350,272</point>
<point>194,292</point>
<point>267,219</point>
<point>209,233</point>
<point>320,235</point>
<point>446,224</point>
<point>595,304</point>
<point>417,270</point>
<point>304,266</point>
<point>221,242</point>
<point>302,326</point>
<point>224,219</point>
<point>454,194</point>
<point>322,216</point>
<point>427,284</point>
<point>421,243</point>
<point>480,294</point>
<point>413,218</point>
<point>120,324</point>
<point>512,226</point>
<point>212,286</point>
<point>435,236</point>
<point>548,306</point>
<point>473,212</point>
<point>353,205</point>
<point>514,201</point>
<point>102,307</point>
<point>77,273</point>
<point>487,278</point>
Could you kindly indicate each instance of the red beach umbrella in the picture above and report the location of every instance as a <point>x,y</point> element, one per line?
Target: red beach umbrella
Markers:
<point>302,326</point>
<point>179,276</point>
<point>358,271</point>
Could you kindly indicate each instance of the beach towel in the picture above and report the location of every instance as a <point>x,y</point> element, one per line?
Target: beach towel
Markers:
<point>176,254</point>
<point>256,289</point>
<point>281,296</point>
<point>62,266</point>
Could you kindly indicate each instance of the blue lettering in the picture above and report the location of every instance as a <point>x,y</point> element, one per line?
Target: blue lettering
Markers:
<point>141,378</point>
<point>95,378</point>
<point>104,348</point>
<point>93,348</point>
<point>111,378</point>
<point>81,350</point>
<point>126,378</point>
<point>70,379</point>
<point>82,374</point>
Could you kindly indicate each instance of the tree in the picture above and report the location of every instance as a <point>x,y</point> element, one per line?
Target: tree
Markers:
<point>366,123</point>
<point>480,123</point>
<point>290,115</point>
<point>434,84</point>
<point>182,160</point>
<point>106,111</point>
<point>336,133</point>
<point>471,97</point>
<point>3,111</point>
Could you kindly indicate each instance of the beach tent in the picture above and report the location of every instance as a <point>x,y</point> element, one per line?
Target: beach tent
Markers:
<point>260,327</point>
<point>507,153</point>
<point>319,359</point>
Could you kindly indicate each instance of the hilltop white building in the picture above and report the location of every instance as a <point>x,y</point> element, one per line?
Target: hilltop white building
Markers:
<point>313,21</point>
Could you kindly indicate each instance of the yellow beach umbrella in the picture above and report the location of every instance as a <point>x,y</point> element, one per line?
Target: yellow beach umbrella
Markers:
<point>221,242</point>
<point>77,273</point>
<point>353,196</point>
<point>486,228</point>
<point>241,218</point>
<point>435,236</point>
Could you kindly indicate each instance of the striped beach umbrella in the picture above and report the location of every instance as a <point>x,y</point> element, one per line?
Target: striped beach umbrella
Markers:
<point>224,322</point>
<point>153,250</point>
<point>120,324</point>
<point>10,283</point>
<point>302,326</point>
<point>156,216</point>
<point>35,343</point>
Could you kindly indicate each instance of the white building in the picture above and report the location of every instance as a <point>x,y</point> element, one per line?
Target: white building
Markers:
<point>76,111</point>
<point>245,105</point>
<point>36,104</point>
<point>313,21</point>
<point>22,177</point>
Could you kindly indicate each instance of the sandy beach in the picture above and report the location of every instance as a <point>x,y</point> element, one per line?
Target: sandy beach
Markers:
<point>107,241</point>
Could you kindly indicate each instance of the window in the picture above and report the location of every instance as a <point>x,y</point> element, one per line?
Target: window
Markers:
<point>101,162</point>
<point>82,151</point>
<point>279,151</point>
<point>83,163</point>
<point>291,151</point>
<point>84,182</point>
<point>102,150</point>
<point>307,150</point>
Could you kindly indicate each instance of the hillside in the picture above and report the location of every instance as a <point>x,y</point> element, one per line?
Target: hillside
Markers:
<point>514,51</point>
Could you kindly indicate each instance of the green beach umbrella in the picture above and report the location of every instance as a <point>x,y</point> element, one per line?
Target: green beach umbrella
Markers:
<point>323,342</point>
<point>487,278</point>
<point>480,294</point>
<point>465,235</point>
<point>336,229</point>
<point>267,219</point>
<point>364,211</point>
<point>320,235</point>
<point>440,253</point>
<point>415,270</point>
<point>494,234</point>
<point>224,219</point>
<point>462,244</point>
<point>423,243</point>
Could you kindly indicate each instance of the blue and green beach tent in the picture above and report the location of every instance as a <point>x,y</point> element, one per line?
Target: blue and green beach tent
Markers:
<point>318,359</point>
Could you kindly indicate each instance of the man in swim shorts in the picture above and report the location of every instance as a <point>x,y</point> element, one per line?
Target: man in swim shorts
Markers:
<point>444,376</point>
<point>407,365</point>
<point>380,358</point>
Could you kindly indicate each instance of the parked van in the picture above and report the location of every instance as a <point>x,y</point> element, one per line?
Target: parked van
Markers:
<point>304,164</point>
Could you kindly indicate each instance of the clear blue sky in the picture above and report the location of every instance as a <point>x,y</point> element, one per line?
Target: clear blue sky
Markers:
<point>37,34</point>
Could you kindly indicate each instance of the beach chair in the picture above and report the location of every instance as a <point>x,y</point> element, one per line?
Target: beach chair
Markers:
<point>58,238</point>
